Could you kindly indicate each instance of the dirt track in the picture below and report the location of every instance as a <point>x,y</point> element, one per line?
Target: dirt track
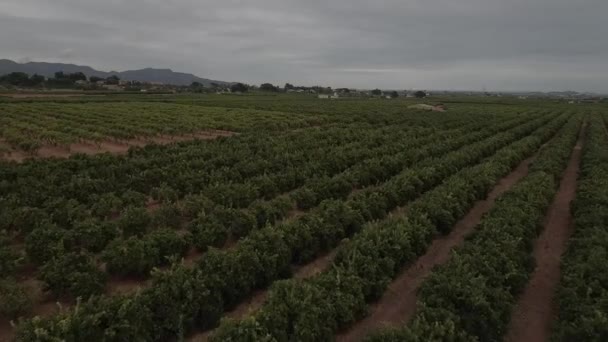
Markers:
<point>107,146</point>
<point>398,304</point>
<point>531,319</point>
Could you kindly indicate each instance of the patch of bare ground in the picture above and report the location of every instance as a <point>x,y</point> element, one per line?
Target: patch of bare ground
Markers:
<point>9,154</point>
<point>398,303</point>
<point>50,151</point>
<point>152,205</point>
<point>38,95</point>
<point>315,267</point>
<point>16,156</point>
<point>123,285</point>
<point>6,329</point>
<point>105,146</point>
<point>534,312</point>
<point>97,147</point>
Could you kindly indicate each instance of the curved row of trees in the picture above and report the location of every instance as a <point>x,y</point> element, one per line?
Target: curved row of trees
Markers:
<point>183,298</point>
<point>583,290</point>
<point>471,296</point>
<point>315,309</point>
<point>77,216</point>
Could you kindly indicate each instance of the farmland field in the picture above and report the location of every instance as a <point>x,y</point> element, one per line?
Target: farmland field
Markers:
<point>289,218</point>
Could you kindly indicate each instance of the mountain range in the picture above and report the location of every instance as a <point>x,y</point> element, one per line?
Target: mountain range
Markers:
<point>166,76</point>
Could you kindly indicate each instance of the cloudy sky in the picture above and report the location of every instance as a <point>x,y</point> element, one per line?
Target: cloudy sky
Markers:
<point>401,44</point>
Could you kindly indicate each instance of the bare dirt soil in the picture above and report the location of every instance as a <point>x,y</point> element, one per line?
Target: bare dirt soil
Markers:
<point>38,95</point>
<point>125,285</point>
<point>398,304</point>
<point>107,146</point>
<point>315,267</point>
<point>531,319</point>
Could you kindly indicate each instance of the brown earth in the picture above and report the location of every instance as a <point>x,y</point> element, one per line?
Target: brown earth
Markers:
<point>37,95</point>
<point>106,146</point>
<point>124,285</point>
<point>315,267</point>
<point>398,304</point>
<point>534,312</point>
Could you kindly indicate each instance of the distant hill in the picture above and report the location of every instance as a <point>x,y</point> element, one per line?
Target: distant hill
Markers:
<point>166,76</point>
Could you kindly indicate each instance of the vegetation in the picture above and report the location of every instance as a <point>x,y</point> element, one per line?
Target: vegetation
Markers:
<point>203,224</point>
<point>583,294</point>
<point>472,295</point>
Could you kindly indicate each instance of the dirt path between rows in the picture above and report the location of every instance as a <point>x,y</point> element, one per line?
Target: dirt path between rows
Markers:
<point>118,147</point>
<point>534,312</point>
<point>398,304</point>
<point>258,299</point>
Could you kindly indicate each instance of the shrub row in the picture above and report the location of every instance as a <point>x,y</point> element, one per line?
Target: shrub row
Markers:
<point>315,309</point>
<point>197,297</point>
<point>583,292</point>
<point>470,298</point>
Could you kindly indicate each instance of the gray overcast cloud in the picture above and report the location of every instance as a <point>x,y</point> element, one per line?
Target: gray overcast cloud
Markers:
<point>430,44</point>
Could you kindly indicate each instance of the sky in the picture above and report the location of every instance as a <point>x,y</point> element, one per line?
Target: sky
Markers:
<point>499,45</point>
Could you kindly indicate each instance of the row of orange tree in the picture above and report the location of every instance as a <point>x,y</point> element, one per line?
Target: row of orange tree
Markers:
<point>315,309</point>
<point>184,298</point>
<point>583,292</point>
<point>72,214</point>
<point>470,298</point>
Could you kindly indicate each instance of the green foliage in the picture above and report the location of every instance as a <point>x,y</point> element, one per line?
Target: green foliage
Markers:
<point>207,232</point>
<point>168,243</point>
<point>367,263</point>
<point>134,221</point>
<point>179,301</point>
<point>131,256</point>
<point>14,300</point>
<point>420,94</point>
<point>191,205</point>
<point>583,292</point>
<point>239,88</point>
<point>167,215</point>
<point>305,198</point>
<point>45,242</point>
<point>74,274</point>
<point>268,87</point>
<point>106,205</point>
<point>94,235</point>
<point>9,257</point>
<point>272,211</point>
<point>164,194</point>
<point>387,155</point>
<point>98,318</point>
<point>475,291</point>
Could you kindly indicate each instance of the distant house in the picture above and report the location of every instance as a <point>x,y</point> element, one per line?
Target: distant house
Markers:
<point>323,96</point>
<point>81,82</point>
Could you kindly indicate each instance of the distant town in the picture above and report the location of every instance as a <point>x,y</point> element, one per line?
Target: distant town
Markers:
<point>78,81</point>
